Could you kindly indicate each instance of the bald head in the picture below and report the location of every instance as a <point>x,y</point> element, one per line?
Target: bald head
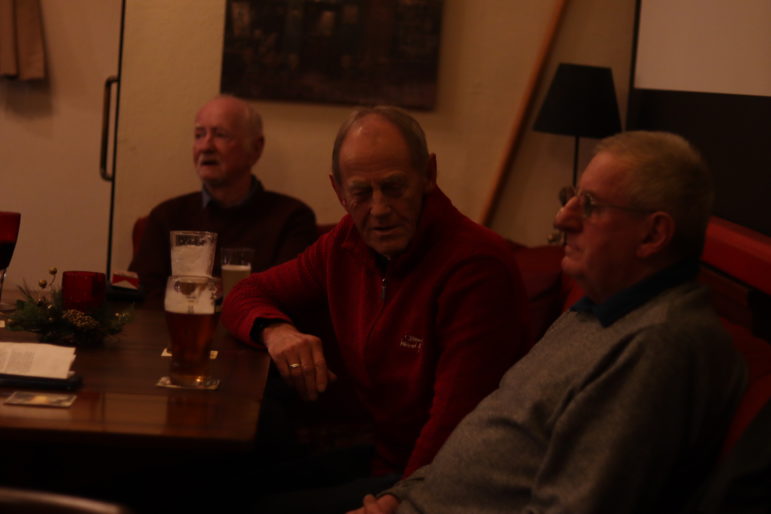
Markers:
<point>409,129</point>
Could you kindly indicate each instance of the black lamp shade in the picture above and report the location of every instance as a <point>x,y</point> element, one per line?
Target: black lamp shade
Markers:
<point>581,102</point>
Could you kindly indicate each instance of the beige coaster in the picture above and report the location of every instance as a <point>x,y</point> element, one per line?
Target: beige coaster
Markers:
<point>212,353</point>
<point>211,384</point>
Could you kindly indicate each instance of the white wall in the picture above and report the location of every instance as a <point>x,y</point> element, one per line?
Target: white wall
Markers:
<point>172,52</point>
<point>724,49</point>
<point>593,32</point>
<point>49,144</point>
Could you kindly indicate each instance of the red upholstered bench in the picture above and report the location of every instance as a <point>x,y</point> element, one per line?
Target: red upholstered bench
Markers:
<point>757,355</point>
<point>543,281</point>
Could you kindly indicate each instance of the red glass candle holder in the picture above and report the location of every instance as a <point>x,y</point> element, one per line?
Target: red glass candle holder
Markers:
<point>9,232</point>
<point>83,290</point>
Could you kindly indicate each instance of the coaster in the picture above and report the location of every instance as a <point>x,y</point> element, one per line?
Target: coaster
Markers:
<point>211,384</point>
<point>167,353</point>
<point>40,399</point>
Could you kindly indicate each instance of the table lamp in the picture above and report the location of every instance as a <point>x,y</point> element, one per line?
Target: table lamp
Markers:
<point>581,102</point>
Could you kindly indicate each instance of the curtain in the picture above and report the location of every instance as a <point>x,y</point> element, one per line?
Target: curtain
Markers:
<point>22,52</point>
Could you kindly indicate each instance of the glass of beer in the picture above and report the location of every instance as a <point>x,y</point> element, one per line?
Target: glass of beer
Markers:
<point>189,306</point>
<point>236,265</point>
<point>192,252</point>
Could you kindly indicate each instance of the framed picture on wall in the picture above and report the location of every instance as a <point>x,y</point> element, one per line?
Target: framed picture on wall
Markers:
<point>333,51</point>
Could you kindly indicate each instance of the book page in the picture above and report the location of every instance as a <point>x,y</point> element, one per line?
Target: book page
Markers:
<point>36,359</point>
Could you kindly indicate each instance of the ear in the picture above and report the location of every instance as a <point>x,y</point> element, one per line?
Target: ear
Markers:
<point>660,228</point>
<point>430,173</point>
<point>258,145</point>
<point>338,191</point>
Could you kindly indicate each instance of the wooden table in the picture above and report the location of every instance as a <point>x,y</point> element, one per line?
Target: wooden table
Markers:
<point>121,422</point>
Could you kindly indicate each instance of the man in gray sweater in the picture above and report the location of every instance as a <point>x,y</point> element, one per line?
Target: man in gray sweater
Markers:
<point>623,404</point>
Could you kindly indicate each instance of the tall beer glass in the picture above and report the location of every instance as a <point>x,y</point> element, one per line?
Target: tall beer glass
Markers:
<point>236,265</point>
<point>192,252</point>
<point>189,306</point>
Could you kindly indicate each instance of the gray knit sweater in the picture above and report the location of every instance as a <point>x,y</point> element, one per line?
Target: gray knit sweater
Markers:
<point>619,419</point>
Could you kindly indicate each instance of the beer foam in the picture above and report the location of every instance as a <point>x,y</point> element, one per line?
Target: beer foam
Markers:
<point>176,301</point>
<point>237,267</point>
<point>232,273</point>
<point>192,259</point>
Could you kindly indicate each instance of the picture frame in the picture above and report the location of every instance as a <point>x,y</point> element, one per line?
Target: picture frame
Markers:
<point>362,52</point>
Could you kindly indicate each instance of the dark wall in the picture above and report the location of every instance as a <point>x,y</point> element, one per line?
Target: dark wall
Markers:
<point>733,132</point>
<point>732,129</point>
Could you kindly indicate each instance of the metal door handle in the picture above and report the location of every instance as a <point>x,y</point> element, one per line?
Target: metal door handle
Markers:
<point>106,127</point>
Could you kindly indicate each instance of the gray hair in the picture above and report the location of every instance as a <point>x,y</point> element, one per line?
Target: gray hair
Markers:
<point>668,174</point>
<point>408,127</point>
<point>253,120</point>
<point>250,116</point>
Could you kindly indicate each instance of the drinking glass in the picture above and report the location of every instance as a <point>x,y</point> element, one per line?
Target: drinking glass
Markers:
<point>189,306</point>
<point>236,264</point>
<point>192,252</point>
<point>83,290</point>
<point>9,233</point>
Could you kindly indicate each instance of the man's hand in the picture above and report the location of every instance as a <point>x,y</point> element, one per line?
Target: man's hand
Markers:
<point>386,504</point>
<point>299,358</point>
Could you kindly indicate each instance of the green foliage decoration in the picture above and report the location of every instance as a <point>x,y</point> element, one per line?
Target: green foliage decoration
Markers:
<point>42,312</point>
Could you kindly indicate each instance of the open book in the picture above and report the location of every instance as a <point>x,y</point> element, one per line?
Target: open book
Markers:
<point>36,365</point>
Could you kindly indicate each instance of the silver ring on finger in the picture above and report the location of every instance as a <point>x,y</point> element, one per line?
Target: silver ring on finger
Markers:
<point>294,365</point>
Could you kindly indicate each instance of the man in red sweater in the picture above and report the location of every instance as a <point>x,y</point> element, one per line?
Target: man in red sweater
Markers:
<point>428,307</point>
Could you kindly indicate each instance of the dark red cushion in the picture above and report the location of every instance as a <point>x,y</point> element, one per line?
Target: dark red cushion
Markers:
<point>541,275</point>
<point>757,355</point>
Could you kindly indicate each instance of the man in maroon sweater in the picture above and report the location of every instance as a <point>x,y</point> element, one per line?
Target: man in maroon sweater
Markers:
<point>428,307</point>
<point>227,142</point>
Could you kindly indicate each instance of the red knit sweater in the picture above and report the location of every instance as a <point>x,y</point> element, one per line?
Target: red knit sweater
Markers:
<point>424,338</point>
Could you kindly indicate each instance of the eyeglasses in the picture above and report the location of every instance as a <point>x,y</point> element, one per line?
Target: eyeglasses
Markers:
<point>589,205</point>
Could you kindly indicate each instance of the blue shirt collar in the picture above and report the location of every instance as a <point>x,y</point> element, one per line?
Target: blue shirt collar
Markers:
<point>254,187</point>
<point>629,299</point>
